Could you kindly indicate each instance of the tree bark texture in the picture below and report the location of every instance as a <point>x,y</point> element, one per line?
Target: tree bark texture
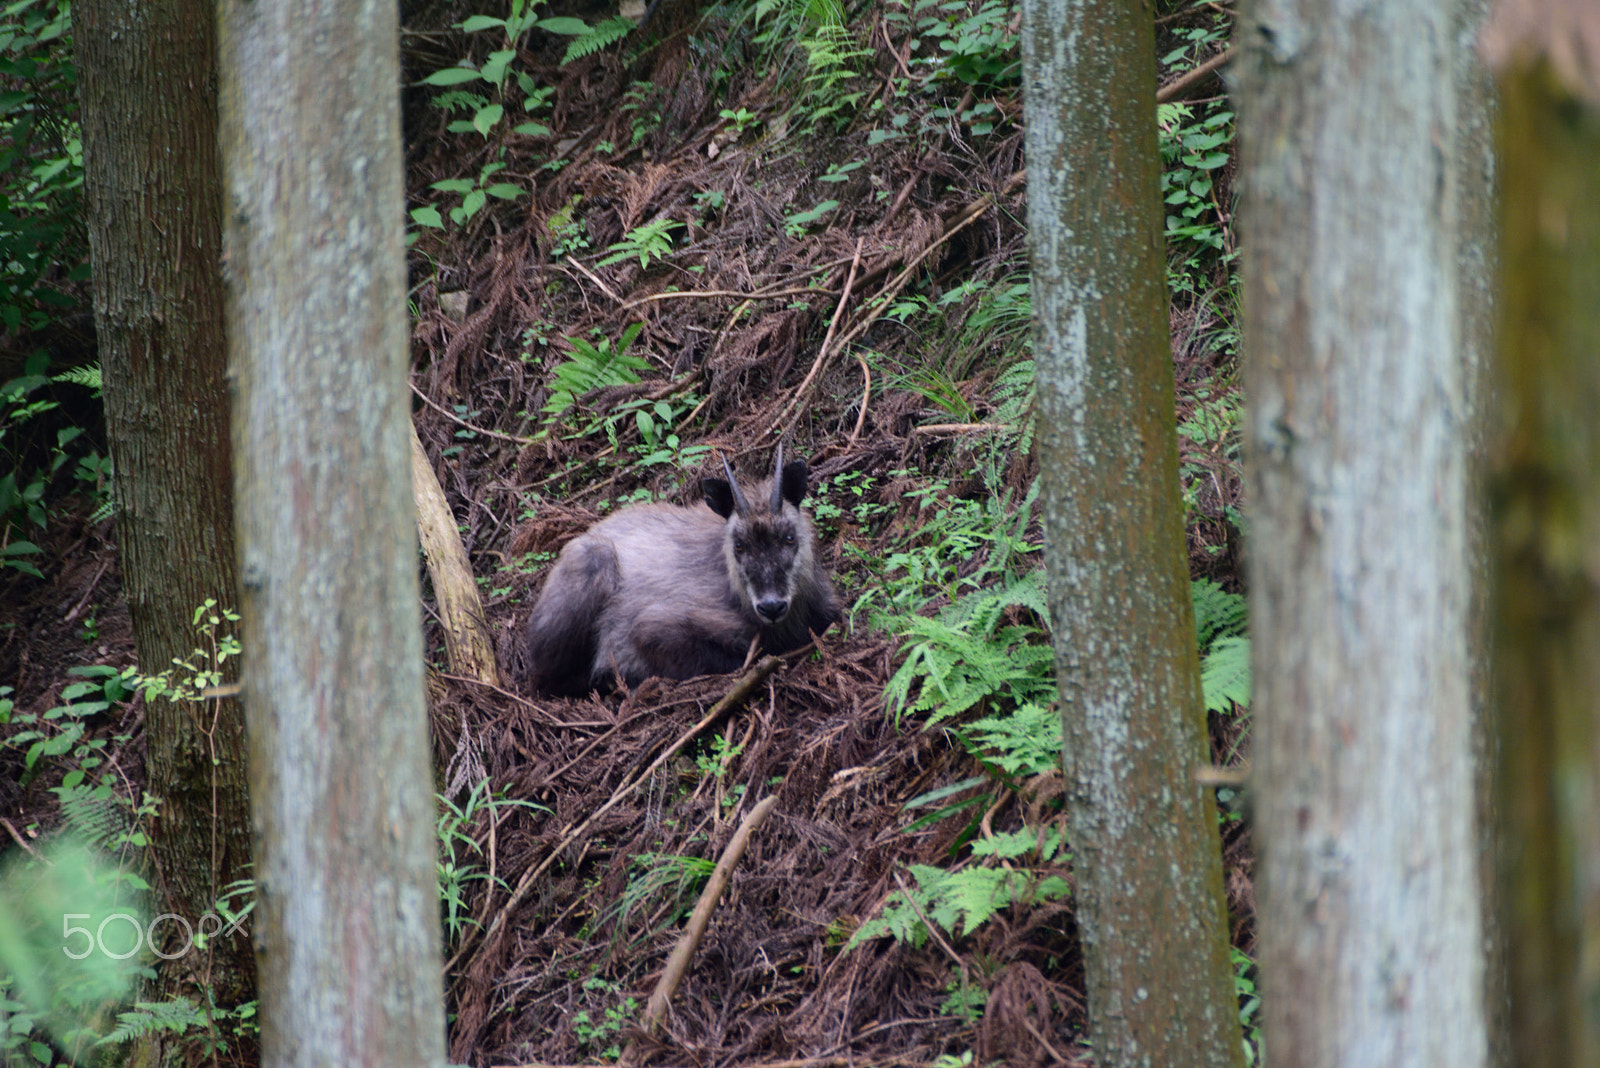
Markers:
<point>1370,925</point>
<point>347,929</point>
<point>154,189</point>
<point>1477,260</point>
<point>1545,486</point>
<point>1147,858</point>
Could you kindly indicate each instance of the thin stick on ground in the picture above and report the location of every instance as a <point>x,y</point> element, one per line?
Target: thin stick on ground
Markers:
<point>875,308</point>
<point>682,953</point>
<point>827,339</point>
<point>866,395</point>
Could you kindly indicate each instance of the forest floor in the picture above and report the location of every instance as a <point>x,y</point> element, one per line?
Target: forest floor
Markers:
<point>760,216</point>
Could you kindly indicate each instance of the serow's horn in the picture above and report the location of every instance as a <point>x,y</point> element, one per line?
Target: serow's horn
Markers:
<point>740,505</point>
<point>777,481</point>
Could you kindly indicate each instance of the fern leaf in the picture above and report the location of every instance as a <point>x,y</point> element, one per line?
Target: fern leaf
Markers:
<point>1217,613</point>
<point>151,1017</point>
<point>599,36</point>
<point>86,375</point>
<point>1225,674</point>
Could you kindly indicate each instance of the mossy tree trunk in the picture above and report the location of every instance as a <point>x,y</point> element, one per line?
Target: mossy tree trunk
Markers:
<point>1545,485</point>
<point>1371,931</point>
<point>1144,836</point>
<point>347,922</point>
<point>148,90</point>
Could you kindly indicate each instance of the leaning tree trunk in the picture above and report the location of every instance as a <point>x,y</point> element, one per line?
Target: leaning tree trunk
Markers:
<point>1546,529</point>
<point>147,82</point>
<point>1371,933</point>
<point>347,919</point>
<point>1147,857</point>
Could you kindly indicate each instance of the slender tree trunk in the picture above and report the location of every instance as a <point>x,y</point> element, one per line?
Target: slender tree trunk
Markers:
<point>1546,490</point>
<point>1144,835</point>
<point>155,207</point>
<point>1371,932</point>
<point>348,926</point>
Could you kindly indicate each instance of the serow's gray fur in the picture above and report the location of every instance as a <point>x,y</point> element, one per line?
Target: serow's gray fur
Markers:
<point>676,592</point>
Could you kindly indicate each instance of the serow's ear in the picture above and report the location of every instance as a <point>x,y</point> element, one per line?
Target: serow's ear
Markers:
<point>719,495</point>
<point>794,482</point>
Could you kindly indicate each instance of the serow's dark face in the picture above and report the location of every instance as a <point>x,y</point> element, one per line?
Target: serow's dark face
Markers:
<point>765,549</point>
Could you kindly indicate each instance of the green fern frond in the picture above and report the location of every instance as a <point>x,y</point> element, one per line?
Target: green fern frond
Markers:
<point>1025,743</point>
<point>1217,613</point>
<point>592,366</point>
<point>154,1017</point>
<point>101,821</point>
<point>86,375</point>
<point>599,36</point>
<point>1225,674</point>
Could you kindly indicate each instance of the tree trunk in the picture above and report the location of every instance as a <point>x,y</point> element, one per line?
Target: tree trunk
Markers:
<point>347,919</point>
<point>1144,835</point>
<point>1546,488</point>
<point>1477,252</point>
<point>1371,933</point>
<point>154,205</point>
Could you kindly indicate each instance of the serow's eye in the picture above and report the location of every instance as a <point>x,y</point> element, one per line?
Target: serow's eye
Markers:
<point>738,548</point>
<point>788,539</point>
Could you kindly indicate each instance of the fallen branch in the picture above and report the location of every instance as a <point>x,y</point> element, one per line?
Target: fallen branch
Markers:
<point>468,645</point>
<point>1180,87</point>
<point>866,395</point>
<point>959,428</point>
<point>682,953</point>
<point>707,294</point>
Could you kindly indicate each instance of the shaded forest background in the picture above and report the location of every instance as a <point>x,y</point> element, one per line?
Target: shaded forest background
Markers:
<point>635,251</point>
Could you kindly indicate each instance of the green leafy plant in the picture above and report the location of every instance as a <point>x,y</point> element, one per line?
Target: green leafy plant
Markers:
<point>25,489</point>
<point>962,899</point>
<point>600,1035</point>
<point>965,656</point>
<point>1220,625</point>
<point>68,948</point>
<point>976,48</point>
<point>652,240</point>
<point>796,224</point>
<point>457,847</point>
<point>497,72</point>
<point>1244,983</point>
<point>586,39</point>
<point>474,195</point>
<point>740,119</point>
<point>591,366</point>
<point>664,885</point>
<point>818,31</point>
<point>43,240</point>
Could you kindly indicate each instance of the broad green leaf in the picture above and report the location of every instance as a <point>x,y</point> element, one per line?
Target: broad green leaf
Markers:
<point>452,76</point>
<point>494,68</point>
<point>485,119</point>
<point>481,22</point>
<point>568,27</point>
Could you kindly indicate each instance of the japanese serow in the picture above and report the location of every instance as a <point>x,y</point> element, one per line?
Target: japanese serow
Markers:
<point>661,590</point>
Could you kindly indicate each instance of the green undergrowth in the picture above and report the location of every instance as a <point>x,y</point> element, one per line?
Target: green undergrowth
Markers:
<point>77,937</point>
<point>961,586</point>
